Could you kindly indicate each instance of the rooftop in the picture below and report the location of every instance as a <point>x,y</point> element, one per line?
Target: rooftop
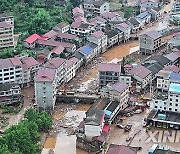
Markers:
<point>175,76</point>
<point>140,71</point>
<point>174,87</point>
<point>158,58</point>
<point>77,10</point>
<point>173,68</point>
<point>34,37</point>
<point>98,34</point>
<point>5,15</point>
<point>121,149</point>
<point>119,86</point>
<point>71,61</point>
<point>50,34</point>
<point>153,34</point>
<point>45,75</point>
<point>112,33</point>
<point>109,15</point>
<point>109,67</point>
<point>29,61</point>
<point>54,63</point>
<point>57,50</point>
<point>86,50</point>
<point>66,35</point>
<point>173,55</point>
<point>62,25</point>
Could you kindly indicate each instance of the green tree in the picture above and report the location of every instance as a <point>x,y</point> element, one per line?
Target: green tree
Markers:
<point>128,12</point>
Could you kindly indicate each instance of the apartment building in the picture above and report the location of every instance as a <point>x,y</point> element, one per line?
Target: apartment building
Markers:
<point>6,35</point>
<point>150,42</point>
<point>112,38</point>
<point>118,91</point>
<point>126,29</point>
<point>141,77</point>
<point>108,72</point>
<point>59,65</point>
<point>11,70</point>
<point>171,102</point>
<point>71,68</point>
<point>45,88</point>
<point>96,7</point>
<point>62,27</point>
<point>9,93</point>
<point>5,17</point>
<point>82,28</point>
<point>100,39</point>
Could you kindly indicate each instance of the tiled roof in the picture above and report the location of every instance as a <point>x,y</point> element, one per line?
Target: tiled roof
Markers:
<point>121,149</point>
<point>50,34</point>
<point>29,61</point>
<point>66,35</point>
<point>173,55</point>
<point>112,33</point>
<point>97,18</point>
<point>172,68</point>
<point>109,67</point>
<point>140,71</point>
<point>45,75</point>
<point>77,10</point>
<point>4,25</point>
<point>160,59</point>
<point>98,34</point>
<point>153,34</point>
<point>80,19</point>
<point>124,25</point>
<point>49,43</point>
<point>54,63</point>
<point>15,61</point>
<point>71,61</point>
<point>109,15</point>
<point>119,87</point>
<point>57,50</point>
<point>134,21</point>
<point>62,25</point>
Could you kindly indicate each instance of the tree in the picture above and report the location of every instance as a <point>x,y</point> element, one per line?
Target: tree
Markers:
<point>128,12</point>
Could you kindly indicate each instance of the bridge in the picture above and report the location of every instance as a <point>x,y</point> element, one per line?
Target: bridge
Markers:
<point>76,97</point>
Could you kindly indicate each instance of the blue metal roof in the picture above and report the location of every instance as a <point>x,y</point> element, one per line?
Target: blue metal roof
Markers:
<point>86,50</point>
<point>107,112</point>
<point>174,87</point>
<point>175,76</point>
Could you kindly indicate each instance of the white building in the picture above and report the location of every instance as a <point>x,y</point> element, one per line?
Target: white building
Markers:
<point>45,88</point>
<point>11,70</point>
<point>172,102</point>
<point>117,92</point>
<point>94,123</point>
<point>71,68</point>
<point>100,39</point>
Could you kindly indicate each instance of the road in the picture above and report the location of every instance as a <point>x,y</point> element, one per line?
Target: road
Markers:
<point>14,119</point>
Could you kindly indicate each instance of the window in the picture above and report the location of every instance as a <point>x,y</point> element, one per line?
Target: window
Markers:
<point>12,77</point>
<point>164,108</point>
<point>164,103</point>
<point>175,110</point>
<point>176,105</point>
<point>170,109</point>
<point>11,73</point>
<point>156,101</point>
<point>170,99</point>
<point>170,104</point>
<point>155,107</point>
<point>176,100</point>
<point>44,88</point>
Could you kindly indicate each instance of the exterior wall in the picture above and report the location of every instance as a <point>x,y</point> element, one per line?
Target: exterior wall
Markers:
<point>106,77</point>
<point>45,94</point>
<point>9,20</point>
<point>126,31</point>
<point>6,37</point>
<point>61,71</point>
<point>28,45</point>
<point>80,32</point>
<point>126,79</point>
<point>91,130</point>
<point>148,45</point>
<point>112,41</point>
<point>15,90</point>
<point>149,4</point>
<point>162,83</point>
<point>12,74</point>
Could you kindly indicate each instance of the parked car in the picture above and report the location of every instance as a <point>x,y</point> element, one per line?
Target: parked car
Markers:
<point>138,111</point>
<point>127,127</point>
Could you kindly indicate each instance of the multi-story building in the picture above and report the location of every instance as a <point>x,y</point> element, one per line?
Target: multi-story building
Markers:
<point>112,38</point>
<point>62,27</point>
<point>45,88</point>
<point>71,68</point>
<point>5,17</point>
<point>150,42</point>
<point>9,93</point>
<point>171,102</point>
<point>100,39</point>
<point>82,28</point>
<point>109,72</point>
<point>59,65</point>
<point>118,91</point>
<point>96,7</point>
<point>126,29</point>
<point>11,70</point>
<point>142,77</point>
<point>6,35</point>
<point>174,41</point>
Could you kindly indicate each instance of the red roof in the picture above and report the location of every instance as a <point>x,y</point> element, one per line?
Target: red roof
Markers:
<point>172,68</point>
<point>98,34</point>
<point>71,61</point>
<point>50,34</point>
<point>66,35</point>
<point>32,38</point>
<point>106,128</point>
<point>77,10</point>
<point>45,75</point>
<point>80,19</point>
